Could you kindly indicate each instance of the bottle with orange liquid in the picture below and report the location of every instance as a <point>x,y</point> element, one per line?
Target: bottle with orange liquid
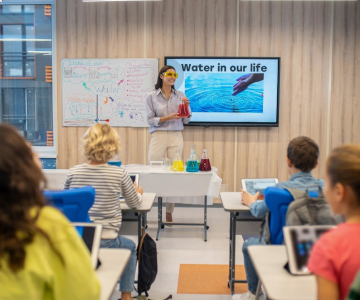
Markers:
<point>205,162</point>
<point>183,110</point>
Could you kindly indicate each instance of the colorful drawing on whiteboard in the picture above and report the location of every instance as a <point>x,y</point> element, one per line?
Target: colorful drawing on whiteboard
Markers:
<point>120,85</point>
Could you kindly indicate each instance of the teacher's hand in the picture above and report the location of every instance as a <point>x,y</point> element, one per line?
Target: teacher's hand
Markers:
<point>174,116</point>
<point>186,100</point>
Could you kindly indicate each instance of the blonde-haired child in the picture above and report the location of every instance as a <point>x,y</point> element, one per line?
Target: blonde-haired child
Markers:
<point>335,258</point>
<point>100,144</point>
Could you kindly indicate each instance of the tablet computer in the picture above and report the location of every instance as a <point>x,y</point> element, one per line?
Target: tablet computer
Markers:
<point>252,186</point>
<point>91,235</point>
<point>299,241</point>
<point>135,178</point>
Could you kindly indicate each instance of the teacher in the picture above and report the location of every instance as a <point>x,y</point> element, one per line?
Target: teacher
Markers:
<point>165,124</point>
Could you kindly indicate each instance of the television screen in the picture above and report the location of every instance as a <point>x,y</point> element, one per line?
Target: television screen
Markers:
<point>230,91</point>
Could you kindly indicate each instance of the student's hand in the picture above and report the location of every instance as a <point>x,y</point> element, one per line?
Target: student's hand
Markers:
<point>247,198</point>
<point>138,189</point>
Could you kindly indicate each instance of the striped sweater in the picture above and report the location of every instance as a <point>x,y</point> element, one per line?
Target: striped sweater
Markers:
<point>108,181</point>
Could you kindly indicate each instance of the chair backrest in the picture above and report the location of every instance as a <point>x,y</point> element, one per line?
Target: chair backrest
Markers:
<point>278,201</point>
<point>74,203</point>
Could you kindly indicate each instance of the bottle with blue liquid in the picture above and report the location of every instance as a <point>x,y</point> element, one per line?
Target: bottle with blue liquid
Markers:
<point>193,161</point>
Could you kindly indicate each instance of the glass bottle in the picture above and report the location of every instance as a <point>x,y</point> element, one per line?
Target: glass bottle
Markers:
<point>192,162</point>
<point>205,162</point>
<point>193,147</point>
<point>183,110</point>
<point>177,163</point>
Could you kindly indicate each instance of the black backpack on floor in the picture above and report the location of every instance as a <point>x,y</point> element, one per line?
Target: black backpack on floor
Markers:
<point>147,257</point>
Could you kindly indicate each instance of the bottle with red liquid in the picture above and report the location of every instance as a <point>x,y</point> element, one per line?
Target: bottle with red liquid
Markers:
<point>183,110</point>
<point>205,162</point>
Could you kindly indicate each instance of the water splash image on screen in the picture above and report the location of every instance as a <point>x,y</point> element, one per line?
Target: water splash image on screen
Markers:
<point>213,93</point>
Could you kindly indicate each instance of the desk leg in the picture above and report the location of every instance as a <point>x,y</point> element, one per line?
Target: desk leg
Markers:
<point>205,218</point>
<point>233,251</point>
<point>159,217</point>
<point>140,216</point>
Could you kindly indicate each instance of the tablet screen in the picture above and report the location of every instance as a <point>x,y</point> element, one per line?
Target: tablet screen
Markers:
<point>252,186</point>
<point>133,177</point>
<point>302,240</point>
<point>87,234</point>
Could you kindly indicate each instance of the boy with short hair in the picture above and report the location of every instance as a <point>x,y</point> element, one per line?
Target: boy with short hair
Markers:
<point>302,158</point>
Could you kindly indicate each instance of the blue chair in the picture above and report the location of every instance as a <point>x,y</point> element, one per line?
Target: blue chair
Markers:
<point>74,204</point>
<point>278,201</point>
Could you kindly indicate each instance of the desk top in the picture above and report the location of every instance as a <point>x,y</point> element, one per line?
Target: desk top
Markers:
<point>269,261</point>
<point>113,263</point>
<point>145,205</point>
<point>146,169</point>
<point>232,202</point>
<point>177,184</point>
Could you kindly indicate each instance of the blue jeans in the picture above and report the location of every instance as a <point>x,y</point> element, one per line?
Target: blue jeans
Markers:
<point>252,278</point>
<point>127,278</point>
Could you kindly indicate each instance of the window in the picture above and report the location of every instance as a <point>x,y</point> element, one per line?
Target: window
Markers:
<point>26,88</point>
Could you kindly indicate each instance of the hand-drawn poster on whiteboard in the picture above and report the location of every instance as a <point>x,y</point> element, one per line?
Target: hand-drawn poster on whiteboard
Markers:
<point>108,90</point>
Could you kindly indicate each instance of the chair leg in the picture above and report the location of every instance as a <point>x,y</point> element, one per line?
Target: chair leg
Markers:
<point>257,295</point>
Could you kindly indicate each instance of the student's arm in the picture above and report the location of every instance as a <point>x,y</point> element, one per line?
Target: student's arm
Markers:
<point>326,289</point>
<point>259,209</point>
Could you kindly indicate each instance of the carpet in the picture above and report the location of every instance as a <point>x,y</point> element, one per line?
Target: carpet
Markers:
<point>209,279</point>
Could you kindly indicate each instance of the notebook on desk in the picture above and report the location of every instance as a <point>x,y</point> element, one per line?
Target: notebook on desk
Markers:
<point>252,186</point>
<point>91,236</point>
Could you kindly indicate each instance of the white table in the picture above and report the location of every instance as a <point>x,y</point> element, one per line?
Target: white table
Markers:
<point>232,203</point>
<point>269,261</point>
<point>113,263</point>
<point>176,184</point>
<point>145,206</point>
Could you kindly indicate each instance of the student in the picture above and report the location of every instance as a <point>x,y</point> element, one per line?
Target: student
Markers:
<point>335,258</point>
<point>100,144</point>
<point>302,158</point>
<point>41,254</point>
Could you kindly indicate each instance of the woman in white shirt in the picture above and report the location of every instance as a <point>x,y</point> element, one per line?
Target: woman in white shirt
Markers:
<point>165,125</point>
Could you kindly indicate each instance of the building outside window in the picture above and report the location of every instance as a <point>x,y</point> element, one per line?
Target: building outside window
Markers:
<point>26,71</point>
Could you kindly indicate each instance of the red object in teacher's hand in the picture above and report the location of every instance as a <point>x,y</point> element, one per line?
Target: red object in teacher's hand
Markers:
<point>183,110</point>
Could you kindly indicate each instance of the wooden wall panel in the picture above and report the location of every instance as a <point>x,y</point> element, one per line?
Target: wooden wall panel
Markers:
<point>298,32</point>
<point>98,30</point>
<point>345,87</point>
<point>197,28</point>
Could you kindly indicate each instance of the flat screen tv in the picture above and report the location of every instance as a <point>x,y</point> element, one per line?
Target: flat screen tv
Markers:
<point>230,91</point>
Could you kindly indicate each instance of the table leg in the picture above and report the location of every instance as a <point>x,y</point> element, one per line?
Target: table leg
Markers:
<point>230,244</point>
<point>205,218</point>
<point>233,251</point>
<point>139,227</point>
<point>159,217</point>
<point>257,295</point>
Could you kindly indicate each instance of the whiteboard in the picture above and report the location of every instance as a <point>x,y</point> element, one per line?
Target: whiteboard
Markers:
<point>106,90</point>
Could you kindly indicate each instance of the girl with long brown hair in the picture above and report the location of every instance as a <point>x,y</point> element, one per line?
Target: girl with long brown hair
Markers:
<point>41,255</point>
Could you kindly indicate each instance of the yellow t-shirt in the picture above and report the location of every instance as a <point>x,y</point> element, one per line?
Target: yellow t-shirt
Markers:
<point>44,276</point>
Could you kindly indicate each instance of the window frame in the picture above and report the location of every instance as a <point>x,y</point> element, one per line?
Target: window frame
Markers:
<point>46,151</point>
